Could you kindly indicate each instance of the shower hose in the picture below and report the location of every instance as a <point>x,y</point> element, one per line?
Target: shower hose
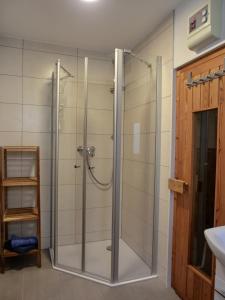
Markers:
<point>106,184</point>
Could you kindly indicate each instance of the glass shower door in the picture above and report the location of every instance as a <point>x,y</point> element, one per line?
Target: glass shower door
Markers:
<point>96,102</point>
<point>67,245</point>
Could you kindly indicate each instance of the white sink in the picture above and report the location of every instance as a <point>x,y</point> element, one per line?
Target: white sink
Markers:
<point>216,241</point>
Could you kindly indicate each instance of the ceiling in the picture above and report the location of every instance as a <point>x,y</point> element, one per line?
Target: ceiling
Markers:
<point>101,25</point>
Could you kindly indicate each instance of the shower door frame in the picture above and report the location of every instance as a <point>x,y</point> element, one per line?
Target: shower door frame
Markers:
<point>116,184</point>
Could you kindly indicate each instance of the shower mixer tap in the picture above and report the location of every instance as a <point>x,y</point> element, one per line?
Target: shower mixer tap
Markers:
<point>89,149</point>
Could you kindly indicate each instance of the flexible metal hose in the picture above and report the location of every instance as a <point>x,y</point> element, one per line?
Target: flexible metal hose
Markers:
<point>94,177</point>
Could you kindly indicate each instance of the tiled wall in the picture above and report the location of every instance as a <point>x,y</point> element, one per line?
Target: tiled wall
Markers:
<point>25,119</point>
<point>160,42</point>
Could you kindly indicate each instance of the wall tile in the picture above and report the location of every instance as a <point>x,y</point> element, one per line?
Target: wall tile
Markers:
<point>41,64</point>
<point>10,138</point>
<point>10,61</point>
<point>10,117</point>
<point>36,118</point>
<point>10,89</point>
<point>37,91</point>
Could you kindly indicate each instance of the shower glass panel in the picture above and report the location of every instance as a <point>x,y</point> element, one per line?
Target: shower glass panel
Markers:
<point>67,247</point>
<point>104,138</point>
<point>138,169</point>
<point>99,166</point>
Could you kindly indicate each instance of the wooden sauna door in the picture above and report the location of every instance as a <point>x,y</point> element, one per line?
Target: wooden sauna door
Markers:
<point>190,281</point>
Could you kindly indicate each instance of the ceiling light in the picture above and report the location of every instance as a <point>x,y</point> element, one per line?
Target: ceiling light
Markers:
<point>89,0</point>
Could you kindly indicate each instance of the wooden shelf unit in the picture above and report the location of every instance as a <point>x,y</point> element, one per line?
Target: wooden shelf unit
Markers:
<point>20,214</point>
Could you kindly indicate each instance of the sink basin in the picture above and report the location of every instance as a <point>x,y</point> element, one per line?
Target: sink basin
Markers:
<point>216,241</point>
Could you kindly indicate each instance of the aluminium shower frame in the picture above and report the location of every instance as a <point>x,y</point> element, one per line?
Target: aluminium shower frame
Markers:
<point>116,187</point>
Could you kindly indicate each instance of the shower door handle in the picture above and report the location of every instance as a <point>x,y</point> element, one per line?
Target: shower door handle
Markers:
<point>76,166</point>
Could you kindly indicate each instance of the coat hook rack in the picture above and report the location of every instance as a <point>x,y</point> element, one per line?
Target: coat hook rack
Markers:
<point>209,77</point>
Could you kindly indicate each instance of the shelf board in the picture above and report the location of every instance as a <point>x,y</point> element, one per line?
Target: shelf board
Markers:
<point>20,215</point>
<point>8,253</point>
<point>20,181</point>
<point>21,149</point>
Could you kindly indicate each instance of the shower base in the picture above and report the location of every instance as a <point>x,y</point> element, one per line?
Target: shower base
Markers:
<point>98,261</point>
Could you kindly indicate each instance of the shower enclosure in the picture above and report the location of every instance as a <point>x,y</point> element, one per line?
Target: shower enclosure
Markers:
<point>105,149</point>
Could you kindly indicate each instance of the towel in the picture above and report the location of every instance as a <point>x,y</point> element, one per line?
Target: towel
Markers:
<point>21,244</point>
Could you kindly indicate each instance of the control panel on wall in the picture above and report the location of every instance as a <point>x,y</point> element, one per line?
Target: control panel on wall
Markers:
<point>204,25</point>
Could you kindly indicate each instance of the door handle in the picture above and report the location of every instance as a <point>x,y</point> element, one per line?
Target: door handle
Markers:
<point>177,186</point>
<point>76,166</point>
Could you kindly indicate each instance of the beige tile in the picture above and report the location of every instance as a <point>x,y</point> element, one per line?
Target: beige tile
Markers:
<point>164,176</point>
<point>67,197</point>
<point>162,250</point>
<point>66,240</point>
<point>95,197</point>
<point>100,122</point>
<point>14,196</point>
<point>67,120</point>
<point>45,198</point>
<point>98,219</point>
<point>10,61</point>
<point>166,114</point>
<point>139,147</point>
<point>99,96</point>
<point>98,70</point>
<point>167,79</point>
<point>66,172</point>
<point>140,92</point>
<point>68,90</point>
<point>45,242</point>
<point>164,217</point>
<point>10,89</point>
<point>45,172</point>
<point>37,91</point>
<point>41,64</point>
<point>67,146</point>
<point>66,222</point>
<point>139,175</point>
<point>43,140</point>
<point>45,223</point>
<point>165,148</point>
<point>138,203</point>
<point>144,115</point>
<point>10,117</point>
<point>36,118</point>
<point>10,138</point>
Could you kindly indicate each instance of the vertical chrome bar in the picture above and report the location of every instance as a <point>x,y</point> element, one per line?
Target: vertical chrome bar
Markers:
<point>84,164</point>
<point>117,122</point>
<point>157,163</point>
<point>56,160</point>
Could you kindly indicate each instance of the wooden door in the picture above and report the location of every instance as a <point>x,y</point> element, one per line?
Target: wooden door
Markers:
<point>200,101</point>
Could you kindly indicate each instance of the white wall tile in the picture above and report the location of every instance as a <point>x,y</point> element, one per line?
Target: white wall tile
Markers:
<point>45,197</point>
<point>36,118</point>
<point>10,89</point>
<point>166,114</point>
<point>10,117</point>
<point>45,172</point>
<point>10,138</point>
<point>41,64</point>
<point>37,91</point>
<point>10,61</point>
<point>43,140</point>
